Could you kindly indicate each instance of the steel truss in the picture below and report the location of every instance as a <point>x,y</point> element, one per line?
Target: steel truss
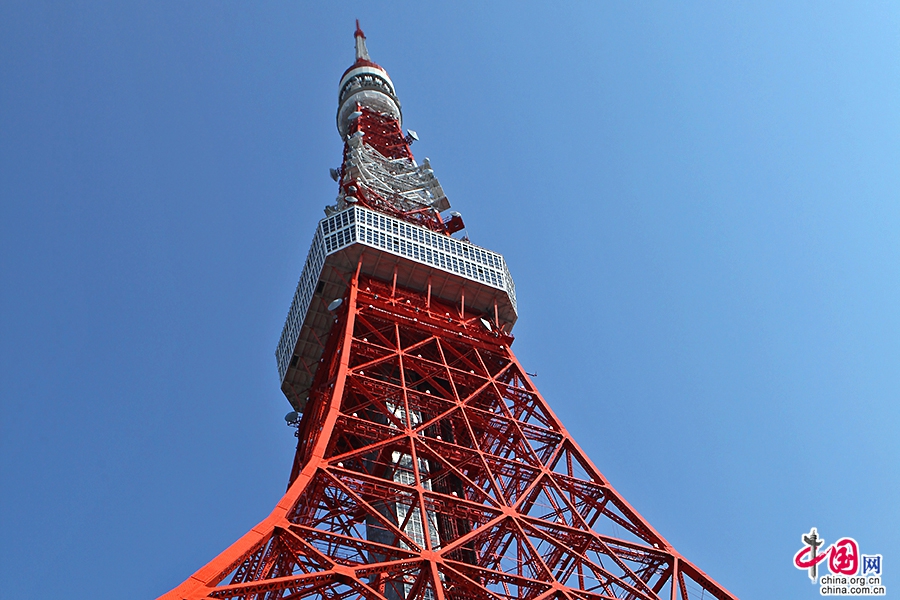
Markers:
<point>430,468</point>
<point>379,172</point>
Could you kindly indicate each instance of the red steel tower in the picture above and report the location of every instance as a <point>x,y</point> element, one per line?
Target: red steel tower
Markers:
<point>428,466</point>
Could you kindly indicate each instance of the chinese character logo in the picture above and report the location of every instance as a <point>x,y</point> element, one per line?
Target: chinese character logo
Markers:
<point>843,555</point>
<point>849,572</point>
<point>871,564</point>
<point>844,558</point>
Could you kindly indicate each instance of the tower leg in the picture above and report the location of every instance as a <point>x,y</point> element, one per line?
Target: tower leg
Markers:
<point>430,468</point>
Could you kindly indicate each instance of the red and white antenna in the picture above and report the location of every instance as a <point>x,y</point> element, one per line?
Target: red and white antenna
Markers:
<point>361,52</point>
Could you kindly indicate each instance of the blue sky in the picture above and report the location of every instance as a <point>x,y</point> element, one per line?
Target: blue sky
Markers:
<point>700,205</point>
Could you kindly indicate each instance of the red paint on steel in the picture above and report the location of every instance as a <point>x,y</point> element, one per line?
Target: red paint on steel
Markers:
<point>429,467</point>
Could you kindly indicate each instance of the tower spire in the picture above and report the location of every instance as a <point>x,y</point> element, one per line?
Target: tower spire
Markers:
<point>379,171</point>
<point>362,53</point>
<point>365,85</point>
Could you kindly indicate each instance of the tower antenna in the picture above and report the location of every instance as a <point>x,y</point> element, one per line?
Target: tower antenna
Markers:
<point>361,52</point>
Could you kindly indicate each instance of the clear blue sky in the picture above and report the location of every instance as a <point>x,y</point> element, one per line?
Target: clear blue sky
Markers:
<point>700,205</point>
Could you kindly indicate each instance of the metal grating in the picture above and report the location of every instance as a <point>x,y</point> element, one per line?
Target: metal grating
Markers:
<point>306,287</point>
<point>394,236</point>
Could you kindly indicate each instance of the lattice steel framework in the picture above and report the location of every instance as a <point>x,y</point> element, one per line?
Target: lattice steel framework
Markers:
<point>428,466</point>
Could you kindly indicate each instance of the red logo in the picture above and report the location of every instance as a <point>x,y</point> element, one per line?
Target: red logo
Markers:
<point>843,555</point>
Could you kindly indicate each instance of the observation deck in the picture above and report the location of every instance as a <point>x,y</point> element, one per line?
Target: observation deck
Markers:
<point>458,272</point>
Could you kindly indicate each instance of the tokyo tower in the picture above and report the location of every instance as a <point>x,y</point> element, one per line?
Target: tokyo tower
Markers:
<point>428,466</point>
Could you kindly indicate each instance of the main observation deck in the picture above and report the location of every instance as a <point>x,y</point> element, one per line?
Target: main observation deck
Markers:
<point>456,270</point>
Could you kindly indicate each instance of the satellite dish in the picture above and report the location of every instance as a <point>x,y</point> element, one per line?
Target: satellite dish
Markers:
<point>292,417</point>
<point>350,199</point>
<point>487,324</point>
<point>334,174</point>
<point>354,115</point>
<point>412,134</point>
<point>335,304</point>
